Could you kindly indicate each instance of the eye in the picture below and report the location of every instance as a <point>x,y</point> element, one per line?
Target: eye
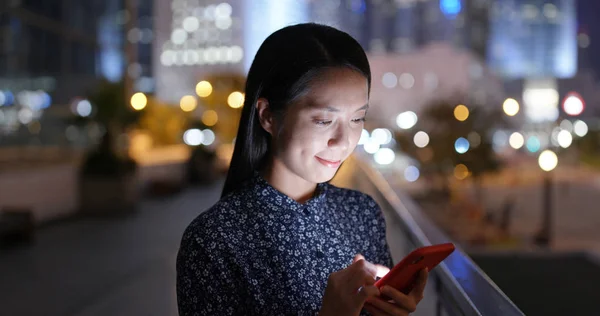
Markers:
<point>359,120</point>
<point>322,122</point>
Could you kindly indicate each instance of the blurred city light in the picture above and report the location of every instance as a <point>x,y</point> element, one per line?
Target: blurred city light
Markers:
<point>510,107</point>
<point>500,138</point>
<point>204,89</point>
<point>371,146</point>
<point>384,156</point>
<point>516,140</point>
<point>2,98</point>
<point>474,139</point>
<point>209,137</point>
<point>564,139</point>
<point>235,100</point>
<point>26,116</point>
<point>383,136</point>
<point>193,137</point>
<point>411,173</point>
<point>210,118</point>
<point>573,104</point>
<point>580,128</point>
<point>421,139</point>
<point>461,172</point>
<point>364,137</point>
<point>406,81</point>
<point>84,108</point>
<point>138,101</point>
<point>533,144</point>
<point>188,103</point>
<point>566,125</point>
<point>461,112</point>
<point>541,104</point>
<point>389,80</point>
<point>450,7</point>
<point>461,145</point>
<point>548,160</point>
<point>406,120</point>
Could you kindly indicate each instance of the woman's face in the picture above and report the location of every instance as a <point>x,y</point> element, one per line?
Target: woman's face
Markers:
<point>322,128</point>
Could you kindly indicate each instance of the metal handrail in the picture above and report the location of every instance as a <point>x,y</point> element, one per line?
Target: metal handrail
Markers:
<point>462,287</point>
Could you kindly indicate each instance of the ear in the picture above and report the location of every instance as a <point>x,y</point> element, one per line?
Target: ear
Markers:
<point>265,116</point>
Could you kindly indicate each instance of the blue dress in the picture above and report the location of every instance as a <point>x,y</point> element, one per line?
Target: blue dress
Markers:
<point>259,252</point>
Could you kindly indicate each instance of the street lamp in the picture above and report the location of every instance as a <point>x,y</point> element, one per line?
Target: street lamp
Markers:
<point>547,162</point>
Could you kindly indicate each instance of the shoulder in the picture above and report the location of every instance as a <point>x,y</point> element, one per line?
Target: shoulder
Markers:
<point>216,227</point>
<point>349,197</point>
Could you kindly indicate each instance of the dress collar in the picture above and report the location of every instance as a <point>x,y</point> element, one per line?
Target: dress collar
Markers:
<point>265,191</point>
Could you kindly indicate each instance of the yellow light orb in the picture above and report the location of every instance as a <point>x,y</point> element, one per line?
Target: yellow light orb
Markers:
<point>510,107</point>
<point>235,100</point>
<point>461,172</point>
<point>138,101</point>
<point>188,103</point>
<point>461,113</point>
<point>210,118</point>
<point>548,160</point>
<point>204,89</point>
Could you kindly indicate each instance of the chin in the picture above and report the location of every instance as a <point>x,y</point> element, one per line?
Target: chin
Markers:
<point>324,176</point>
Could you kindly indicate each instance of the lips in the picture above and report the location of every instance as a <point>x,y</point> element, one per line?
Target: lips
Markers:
<point>329,163</point>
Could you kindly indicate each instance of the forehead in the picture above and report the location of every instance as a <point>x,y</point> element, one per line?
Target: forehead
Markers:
<point>338,87</point>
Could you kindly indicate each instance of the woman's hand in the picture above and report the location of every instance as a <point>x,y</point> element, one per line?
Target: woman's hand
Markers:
<point>348,289</point>
<point>401,304</point>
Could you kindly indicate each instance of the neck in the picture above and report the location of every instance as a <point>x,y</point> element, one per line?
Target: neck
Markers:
<point>288,183</point>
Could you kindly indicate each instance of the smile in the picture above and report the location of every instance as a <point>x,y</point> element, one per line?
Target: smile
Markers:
<point>329,163</point>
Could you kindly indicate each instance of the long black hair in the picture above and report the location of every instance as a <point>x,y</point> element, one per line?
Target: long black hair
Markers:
<point>283,68</point>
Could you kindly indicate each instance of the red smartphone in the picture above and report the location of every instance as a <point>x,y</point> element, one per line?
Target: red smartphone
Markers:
<point>404,274</point>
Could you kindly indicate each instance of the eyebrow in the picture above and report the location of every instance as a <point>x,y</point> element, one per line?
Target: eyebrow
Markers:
<point>333,109</point>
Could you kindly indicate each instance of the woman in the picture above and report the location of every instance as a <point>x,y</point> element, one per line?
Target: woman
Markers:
<point>282,240</point>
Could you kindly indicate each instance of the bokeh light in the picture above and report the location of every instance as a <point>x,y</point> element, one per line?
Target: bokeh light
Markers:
<point>188,103</point>
<point>382,136</point>
<point>138,101</point>
<point>510,107</point>
<point>193,137</point>
<point>411,173</point>
<point>406,120</point>
<point>204,89</point>
<point>533,144</point>
<point>573,104</point>
<point>461,145</point>
<point>461,113</point>
<point>580,128</point>
<point>384,156</point>
<point>208,137</point>
<point>548,160</point>
<point>516,140</point>
<point>564,138</point>
<point>235,100</point>
<point>371,146</point>
<point>210,118</point>
<point>474,139</point>
<point>389,80</point>
<point>421,139</point>
<point>461,172</point>
<point>84,108</point>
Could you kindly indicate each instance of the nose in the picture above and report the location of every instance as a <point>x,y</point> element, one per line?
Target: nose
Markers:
<point>340,140</point>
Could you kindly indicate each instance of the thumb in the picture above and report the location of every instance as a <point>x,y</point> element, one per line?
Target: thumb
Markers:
<point>358,257</point>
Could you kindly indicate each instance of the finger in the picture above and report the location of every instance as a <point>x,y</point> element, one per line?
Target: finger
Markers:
<point>358,257</point>
<point>363,272</point>
<point>374,311</point>
<point>420,283</point>
<point>388,308</point>
<point>368,292</point>
<point>381,270</point>
<point>404,301</point>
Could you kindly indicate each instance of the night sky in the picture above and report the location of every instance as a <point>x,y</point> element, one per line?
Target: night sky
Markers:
<point>588,12</point>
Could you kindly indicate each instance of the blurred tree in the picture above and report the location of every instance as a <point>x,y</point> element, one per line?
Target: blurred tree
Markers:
<point>165,123</point>
<point>439,159</point>
<point>111,108</point>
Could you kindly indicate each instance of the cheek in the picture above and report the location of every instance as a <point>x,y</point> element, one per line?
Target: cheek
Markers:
<point>301,140</point>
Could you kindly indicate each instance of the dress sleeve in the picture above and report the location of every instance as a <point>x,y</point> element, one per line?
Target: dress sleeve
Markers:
<point>205,284</point>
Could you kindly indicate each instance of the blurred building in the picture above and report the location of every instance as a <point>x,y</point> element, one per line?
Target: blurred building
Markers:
<point>533,38</point>
<point>114,37</point>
